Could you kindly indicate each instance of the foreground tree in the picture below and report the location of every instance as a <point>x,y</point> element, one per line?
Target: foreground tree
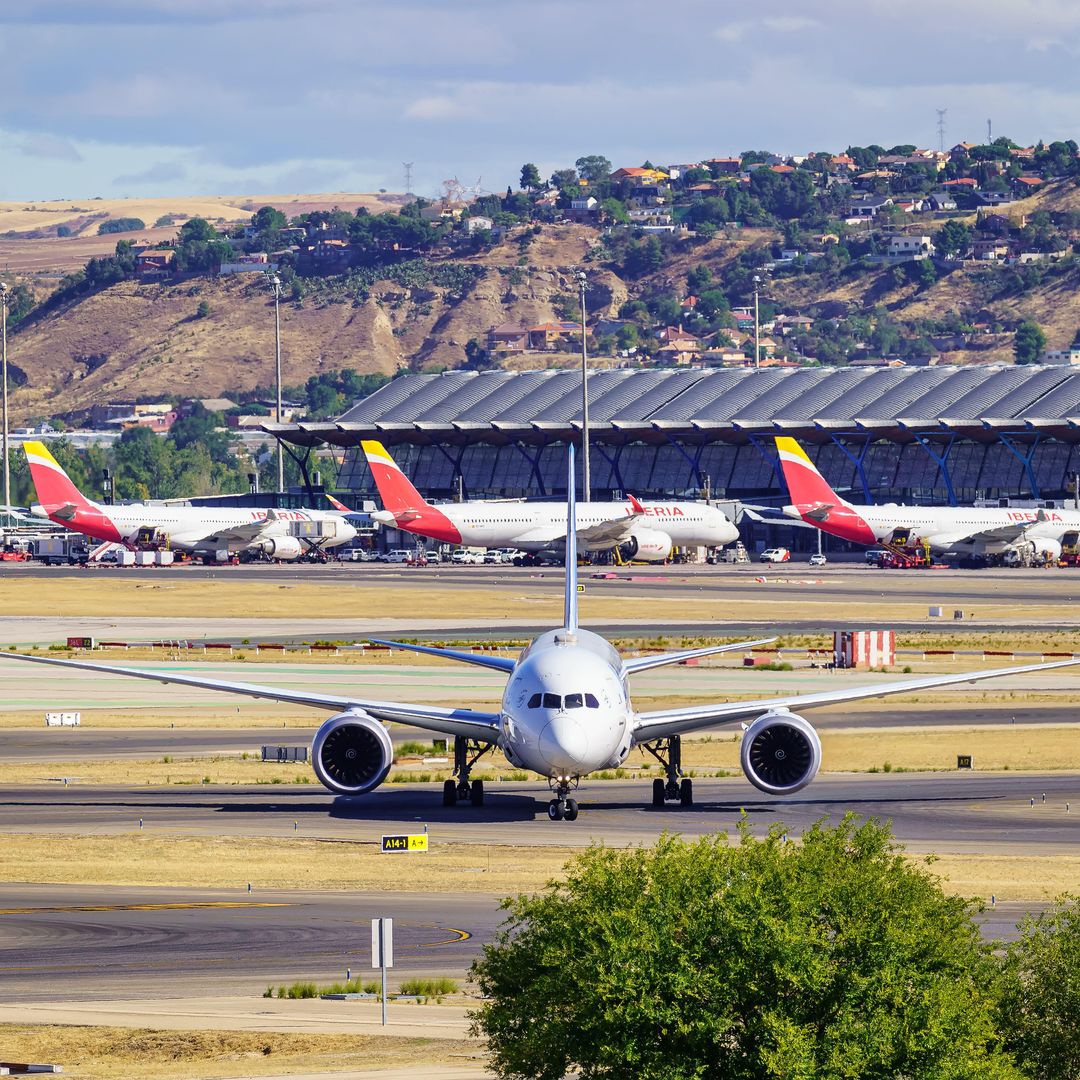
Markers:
<point>832,959</point>
<point>1040,1000</point>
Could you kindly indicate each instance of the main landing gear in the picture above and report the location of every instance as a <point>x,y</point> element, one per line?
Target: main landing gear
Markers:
<point>669,753</point>
<point>459,788</point>
<point>562,808</point>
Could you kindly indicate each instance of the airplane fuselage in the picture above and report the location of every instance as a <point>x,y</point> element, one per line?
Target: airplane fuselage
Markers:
<point>190,528</point>
<point>566,708</point>
<point>945,529</point>
<point>535,526</point>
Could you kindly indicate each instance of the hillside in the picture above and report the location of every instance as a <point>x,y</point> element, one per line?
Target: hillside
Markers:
<point>135,340</point>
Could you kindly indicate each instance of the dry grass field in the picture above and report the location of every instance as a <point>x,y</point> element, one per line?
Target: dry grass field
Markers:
<point>149,859</point>
<point>115,1053</point>
<point>518,600</point>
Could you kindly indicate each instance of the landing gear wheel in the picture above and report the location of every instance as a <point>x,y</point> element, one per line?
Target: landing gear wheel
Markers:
<point>449,793</point>
<point>556,810</point>
<point>686,792</point>
<point>570,812</point>
<point>658,792</point>
<point>476,793</point>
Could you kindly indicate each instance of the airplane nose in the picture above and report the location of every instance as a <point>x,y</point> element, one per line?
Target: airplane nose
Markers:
<point>564,744</point>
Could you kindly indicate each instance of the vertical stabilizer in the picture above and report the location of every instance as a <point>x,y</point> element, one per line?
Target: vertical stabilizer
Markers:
<point>395,488</point>
<point>570,607</point>
<point>805,484</point>
<point>53,485</point>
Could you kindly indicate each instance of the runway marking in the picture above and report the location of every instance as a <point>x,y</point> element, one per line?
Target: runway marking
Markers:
<point>143,907</point>
<point>462,935</point>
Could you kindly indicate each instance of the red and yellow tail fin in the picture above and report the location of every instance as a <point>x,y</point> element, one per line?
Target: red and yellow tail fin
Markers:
<point>805,484</point>
<point>52,484</point>
<point>395,489</point>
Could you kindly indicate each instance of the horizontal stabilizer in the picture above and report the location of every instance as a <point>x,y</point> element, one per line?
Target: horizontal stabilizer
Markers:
<point>499,663</point>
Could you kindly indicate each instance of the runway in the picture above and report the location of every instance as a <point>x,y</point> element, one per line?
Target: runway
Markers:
<point>77,942</point>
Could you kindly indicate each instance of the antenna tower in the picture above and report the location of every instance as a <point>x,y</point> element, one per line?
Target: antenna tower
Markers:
<point>941,128</point>
<point>989,133</point>
<point>408,176</point>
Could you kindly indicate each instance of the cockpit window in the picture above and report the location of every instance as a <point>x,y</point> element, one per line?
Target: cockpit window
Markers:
<point>534,701</point>
<point>552,701</point>
<point>573,701</point>
<point>590,700</point>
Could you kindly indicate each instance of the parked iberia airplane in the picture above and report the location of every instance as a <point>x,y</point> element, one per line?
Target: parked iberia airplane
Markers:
<point>976,532</point>
<point>202,530</point>
<point>646,531</point>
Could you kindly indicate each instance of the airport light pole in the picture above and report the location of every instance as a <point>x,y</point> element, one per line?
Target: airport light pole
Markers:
<point>757,324</point>
<point>4,379</point>
<point>275,281</point>
<point>586,488</point>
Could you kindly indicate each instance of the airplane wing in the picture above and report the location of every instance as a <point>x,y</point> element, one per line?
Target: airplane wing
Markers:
<point>754,514</point>
<point>482,726</point>
<point>661,725</point>
<point>614,530</point>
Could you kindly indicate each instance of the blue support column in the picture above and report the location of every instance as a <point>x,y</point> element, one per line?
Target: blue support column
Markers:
<point>612,460</point>
<point>1007,437</point>
<point>534,464</point>
<point>940,460</point>
<point>857,460</point>
<point>770,455</point>
<point>691,461</point>
<point>456,463</point>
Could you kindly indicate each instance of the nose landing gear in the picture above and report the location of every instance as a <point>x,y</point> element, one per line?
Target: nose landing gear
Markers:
<point>562,808</point>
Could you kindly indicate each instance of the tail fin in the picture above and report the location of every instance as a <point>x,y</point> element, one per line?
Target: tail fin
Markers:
<point>337,504</point>
<point>805,484</point>
<point>52,484</point>
<point>395,490</point>
<point>570,606</point>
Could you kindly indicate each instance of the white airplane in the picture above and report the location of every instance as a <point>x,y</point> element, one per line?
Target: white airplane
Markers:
<point>565,713</point>
<point>645,531</point>
<point>975,532</point>
<point>202,530</point>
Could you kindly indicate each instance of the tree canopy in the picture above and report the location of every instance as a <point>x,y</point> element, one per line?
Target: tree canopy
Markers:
<point>1028,342</point>
<point>830,959</point>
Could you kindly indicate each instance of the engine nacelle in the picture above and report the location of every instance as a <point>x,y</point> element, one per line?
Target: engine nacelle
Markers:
<point>352,753</point>
<point>286,548</point>
<point>648,545</point>
<point>780,753</point>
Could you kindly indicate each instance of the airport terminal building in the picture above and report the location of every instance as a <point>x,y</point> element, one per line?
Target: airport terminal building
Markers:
<point>942,435</point>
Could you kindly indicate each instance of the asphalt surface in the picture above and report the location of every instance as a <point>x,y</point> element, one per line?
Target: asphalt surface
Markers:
<point>75,942</point>
<point>108,744</point>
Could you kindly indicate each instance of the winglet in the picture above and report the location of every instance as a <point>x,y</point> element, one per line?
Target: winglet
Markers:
<point>337,504</point>
<point>570,607</point>
<point>635,506</point>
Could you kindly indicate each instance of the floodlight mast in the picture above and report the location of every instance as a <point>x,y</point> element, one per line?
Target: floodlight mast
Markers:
<point>275,283</point>
<point>4,380</point>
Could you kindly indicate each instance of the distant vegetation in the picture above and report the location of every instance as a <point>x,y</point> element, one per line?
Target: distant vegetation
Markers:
<point>124,224</point>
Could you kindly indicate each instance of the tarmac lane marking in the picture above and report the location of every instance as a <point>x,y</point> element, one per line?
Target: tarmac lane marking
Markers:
<point>143,907</point>
<point>461,935</point>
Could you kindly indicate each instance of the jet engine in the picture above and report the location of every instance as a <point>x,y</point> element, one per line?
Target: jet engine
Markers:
<point>648,545</point>
<point>352,753</point>
<point>780,753</point>
<point>287,548</point>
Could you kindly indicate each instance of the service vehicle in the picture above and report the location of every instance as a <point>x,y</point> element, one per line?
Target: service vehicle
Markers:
<point>776,554</point>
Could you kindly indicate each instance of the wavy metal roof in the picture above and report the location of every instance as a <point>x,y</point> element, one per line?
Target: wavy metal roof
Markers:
<point>792,397</point>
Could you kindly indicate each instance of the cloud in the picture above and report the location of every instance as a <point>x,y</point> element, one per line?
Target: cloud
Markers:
<point>50,146</point>
<point>789,24</point>
<point>161,172</point>
<point>438,107</point>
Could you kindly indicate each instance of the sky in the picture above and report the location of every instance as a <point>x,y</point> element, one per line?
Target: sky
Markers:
<point>197,97</point>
